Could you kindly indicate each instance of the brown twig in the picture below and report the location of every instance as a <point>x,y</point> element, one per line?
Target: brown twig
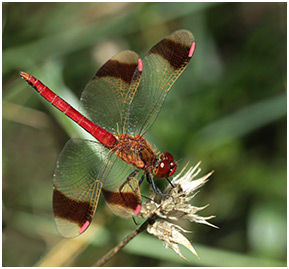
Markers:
<point>123,243</point>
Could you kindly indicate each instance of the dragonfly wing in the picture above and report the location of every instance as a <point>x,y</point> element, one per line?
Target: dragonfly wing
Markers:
<point>103,98</point>
<point>163,64</point>
<point>76,187</point>
<point>124,202</point>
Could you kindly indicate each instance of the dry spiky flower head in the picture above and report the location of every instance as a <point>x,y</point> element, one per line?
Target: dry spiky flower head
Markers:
<point>175,205</point>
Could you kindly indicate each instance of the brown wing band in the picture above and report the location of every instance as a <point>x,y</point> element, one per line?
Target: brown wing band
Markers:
<point>124,199</point>
<point>117,69</point>
<point>71,210</point>
<point>172,52</point>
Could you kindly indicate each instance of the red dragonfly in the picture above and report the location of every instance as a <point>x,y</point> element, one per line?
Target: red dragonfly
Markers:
<point>121,102</point>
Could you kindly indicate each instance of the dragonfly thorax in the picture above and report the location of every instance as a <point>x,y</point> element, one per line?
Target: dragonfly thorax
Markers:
<point>135,150</point>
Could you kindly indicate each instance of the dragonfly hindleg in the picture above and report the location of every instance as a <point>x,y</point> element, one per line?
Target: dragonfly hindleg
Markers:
<point>150,179</point>
<point>141,179</point>
<point>127,181</point>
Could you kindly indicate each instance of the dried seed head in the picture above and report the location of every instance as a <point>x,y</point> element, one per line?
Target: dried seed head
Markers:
<point>175,206</point>
<point>171,235</point>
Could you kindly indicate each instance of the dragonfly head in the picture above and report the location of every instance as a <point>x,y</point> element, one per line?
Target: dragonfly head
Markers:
<point>165,166</point>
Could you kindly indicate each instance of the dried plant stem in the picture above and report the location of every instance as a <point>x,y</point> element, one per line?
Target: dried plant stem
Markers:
<point>123,243</point>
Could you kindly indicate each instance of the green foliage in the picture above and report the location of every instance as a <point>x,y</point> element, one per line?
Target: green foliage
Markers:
<point>228,109</point>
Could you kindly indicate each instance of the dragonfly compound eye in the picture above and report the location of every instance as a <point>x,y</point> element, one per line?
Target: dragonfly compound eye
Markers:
<point>163,169</point>
<point>166,167</point>
<point>167,156</point>
<point>173,167</point>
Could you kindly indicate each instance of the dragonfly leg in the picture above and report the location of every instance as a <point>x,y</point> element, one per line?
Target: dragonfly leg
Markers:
<point>150,179</point>
<point>135,221</point>
<point>127,181</point>
<point>141,180</point>
<point>173,186</point>
<point>152,200</point>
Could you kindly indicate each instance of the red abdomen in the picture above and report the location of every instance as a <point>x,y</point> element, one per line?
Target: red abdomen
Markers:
<point>103,136</point>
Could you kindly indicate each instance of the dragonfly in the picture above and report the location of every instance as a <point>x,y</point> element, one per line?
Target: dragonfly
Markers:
<point>120,104</point>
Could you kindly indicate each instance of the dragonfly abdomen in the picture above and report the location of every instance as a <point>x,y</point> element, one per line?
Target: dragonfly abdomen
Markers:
<point>103,136</point>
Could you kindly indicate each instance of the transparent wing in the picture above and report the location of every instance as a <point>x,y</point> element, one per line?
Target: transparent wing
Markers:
<point>84,169</point>
<point>76,186</point>
<point>103,99</point>
<point>161,67</point>
<point>122,197</point>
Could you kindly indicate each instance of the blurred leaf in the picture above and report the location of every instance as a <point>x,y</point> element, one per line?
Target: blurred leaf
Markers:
<point>244,121</point>
<point>149,246</point>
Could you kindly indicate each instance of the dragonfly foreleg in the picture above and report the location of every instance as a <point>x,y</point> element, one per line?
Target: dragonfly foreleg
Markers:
<point>173,186</point>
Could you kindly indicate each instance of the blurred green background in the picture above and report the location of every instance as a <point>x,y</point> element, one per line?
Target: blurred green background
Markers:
<point>228,109</point>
